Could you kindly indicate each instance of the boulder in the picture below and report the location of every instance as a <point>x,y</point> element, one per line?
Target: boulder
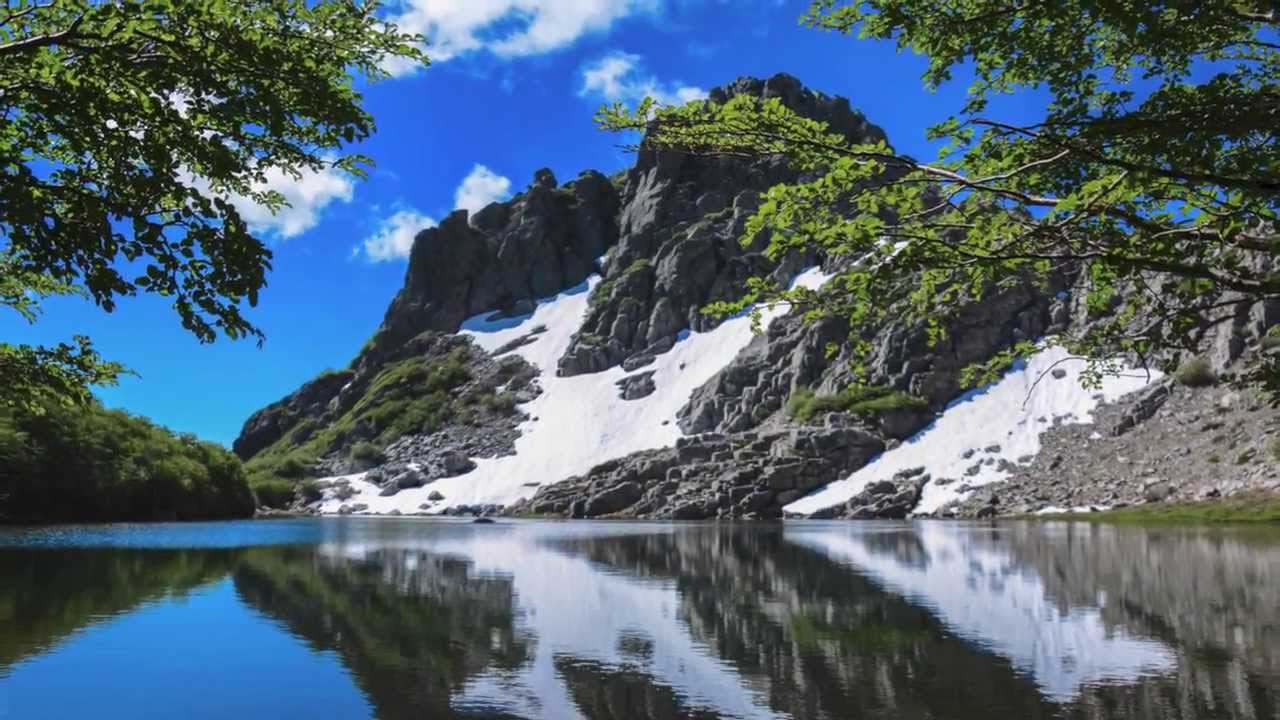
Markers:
<point>613,499</point>
<point>409,479</point>
<point>455,463</point>
<point>696,509</point>
<point>634,387</point>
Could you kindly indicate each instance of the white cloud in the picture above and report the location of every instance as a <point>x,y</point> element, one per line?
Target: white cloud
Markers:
<point>394,237</point>
<point>506,28</point>
<point>307,195</point>
<point>619,76</point>
<point>479,188</point>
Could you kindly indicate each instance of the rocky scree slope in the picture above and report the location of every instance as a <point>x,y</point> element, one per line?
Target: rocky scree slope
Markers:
<point>774,424</point>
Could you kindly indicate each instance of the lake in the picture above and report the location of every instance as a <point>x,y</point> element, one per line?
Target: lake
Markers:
<point>425,618</point>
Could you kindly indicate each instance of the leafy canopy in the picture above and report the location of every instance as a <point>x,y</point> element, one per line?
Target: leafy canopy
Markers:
<point>84,463</point>
<point>1154,172</point>
<point>128,125</point>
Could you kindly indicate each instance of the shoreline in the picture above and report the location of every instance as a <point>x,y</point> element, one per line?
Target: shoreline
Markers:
<point>1252,508</point>
<point>1257,509</point>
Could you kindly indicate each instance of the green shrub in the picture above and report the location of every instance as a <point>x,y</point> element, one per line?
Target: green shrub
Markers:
<point>367,452</point>
<point>603,289</point>
<point>497,403</point>
<point>1195,372</point>
<point>500,403</point>
<point>310,491</point>
<point>276,494</point>
<point>800,406</point>
<point>883,402</point>
<point>638,265</point>
<point>294,467</point>
<point>804,404</point>
<point>1272,338</point>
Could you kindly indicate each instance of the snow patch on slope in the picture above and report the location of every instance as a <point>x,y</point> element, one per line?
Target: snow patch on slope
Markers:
<point>1008,417</point>
<point>577,422</point>
<point>977,589</point>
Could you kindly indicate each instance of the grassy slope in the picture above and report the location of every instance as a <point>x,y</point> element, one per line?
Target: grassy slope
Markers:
<point>412,395</point>
<point>1251,508</point>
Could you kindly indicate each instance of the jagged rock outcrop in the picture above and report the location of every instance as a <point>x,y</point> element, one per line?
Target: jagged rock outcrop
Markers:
<point>745,475</point>
<point>269,424</point>
<point>792,353</point>
<point>432,404</point>
<point>500,259</point>
<point>503,257</point>
<point>891,499</point>
<point>671,227</point>
<point>679,233</point>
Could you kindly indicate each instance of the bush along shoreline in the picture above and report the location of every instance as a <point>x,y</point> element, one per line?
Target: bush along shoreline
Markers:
<point>85,463</point>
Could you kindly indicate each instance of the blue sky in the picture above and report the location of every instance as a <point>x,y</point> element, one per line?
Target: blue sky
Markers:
<point>513,90</point>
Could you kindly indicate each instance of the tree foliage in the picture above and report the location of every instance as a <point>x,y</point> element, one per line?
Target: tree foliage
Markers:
<point>84,463</point>
<point>128,127</point>
<point>1154,172</point>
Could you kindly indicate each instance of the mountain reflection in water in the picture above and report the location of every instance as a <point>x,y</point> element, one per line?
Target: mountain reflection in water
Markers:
<point>621,620</point>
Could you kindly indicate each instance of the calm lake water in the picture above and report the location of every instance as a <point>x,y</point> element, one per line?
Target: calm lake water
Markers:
<point>414,618</point>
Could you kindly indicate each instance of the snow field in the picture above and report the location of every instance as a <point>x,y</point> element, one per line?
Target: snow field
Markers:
<point>577,422</point>
<point>1003,421</point>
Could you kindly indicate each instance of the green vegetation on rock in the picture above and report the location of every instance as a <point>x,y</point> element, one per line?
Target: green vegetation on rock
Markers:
<point>419,394</point>
<point>1252,508</point>
<point>1195,372</point>
<point>367,452</point>
<point>85,463</point>
<point>411,395</point>
<point>804,404</point>
<point>605,287</point>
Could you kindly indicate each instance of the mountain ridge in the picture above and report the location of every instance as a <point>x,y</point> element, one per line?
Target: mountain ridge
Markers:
<point>622,267</point>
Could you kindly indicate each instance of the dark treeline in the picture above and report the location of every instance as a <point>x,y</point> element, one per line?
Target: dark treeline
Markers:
<point>89,464</point>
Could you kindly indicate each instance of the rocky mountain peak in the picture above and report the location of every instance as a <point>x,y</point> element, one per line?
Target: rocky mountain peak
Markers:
<point>680,236</point>
<point>506,254</point>
<point>833,110</point>
<point>670,225</point>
